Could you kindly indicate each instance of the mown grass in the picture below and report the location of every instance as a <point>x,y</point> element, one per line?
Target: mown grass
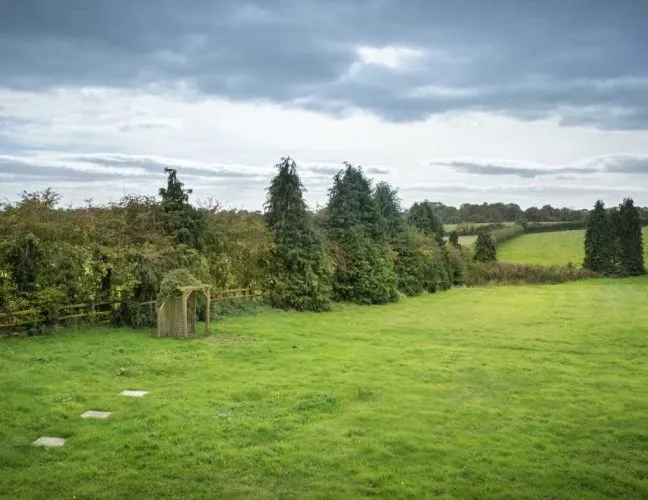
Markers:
<point>553,248</point>
<point>502,392</point>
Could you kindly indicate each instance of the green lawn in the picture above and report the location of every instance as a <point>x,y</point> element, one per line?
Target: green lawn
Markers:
<point>557,248</point>
<point>501,392</point>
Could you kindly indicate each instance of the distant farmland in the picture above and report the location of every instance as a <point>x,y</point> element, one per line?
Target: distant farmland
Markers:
<point>557,248</point>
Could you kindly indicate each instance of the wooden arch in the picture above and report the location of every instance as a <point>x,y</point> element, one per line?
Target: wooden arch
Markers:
<point>176,316</point>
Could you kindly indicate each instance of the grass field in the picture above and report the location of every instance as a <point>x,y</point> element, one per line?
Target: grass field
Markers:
<point>557,248</point>
<point>504,392</point>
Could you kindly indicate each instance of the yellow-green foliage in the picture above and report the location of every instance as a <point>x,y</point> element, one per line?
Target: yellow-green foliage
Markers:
<point>500,392</point>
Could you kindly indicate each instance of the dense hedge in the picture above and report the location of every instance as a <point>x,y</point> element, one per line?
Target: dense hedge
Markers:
<point>548,227</point>
<point>507,233</point>
<point>474,229</point>
<point>485,273</point>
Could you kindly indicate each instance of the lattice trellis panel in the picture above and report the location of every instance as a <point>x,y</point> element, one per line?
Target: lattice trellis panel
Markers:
<point>176,316</point>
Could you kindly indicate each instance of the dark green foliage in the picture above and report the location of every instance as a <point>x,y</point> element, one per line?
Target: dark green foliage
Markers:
<point>599,241</point>
<point>364,271</point>
<point>421,216</point>
<point>391,221</point>
<point>24,256</point>
<point>409,264</point>
<point>453,238</point>
<point>351,203</point>
<point>630,242</point>
<point>485,250</point>
<point>300,273</point>
<point>183,221</point>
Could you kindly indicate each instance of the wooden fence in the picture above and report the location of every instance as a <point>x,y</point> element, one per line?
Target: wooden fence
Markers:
<point>100,311</point>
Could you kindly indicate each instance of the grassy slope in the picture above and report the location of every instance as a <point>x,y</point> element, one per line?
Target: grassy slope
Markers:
<point>549,248</point>
<point>507,392</point>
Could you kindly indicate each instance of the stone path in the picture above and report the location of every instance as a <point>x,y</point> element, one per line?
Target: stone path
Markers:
<point>49,442</point>
<point>96,414</point>
<point>57,442</point>
<point>134,394</point>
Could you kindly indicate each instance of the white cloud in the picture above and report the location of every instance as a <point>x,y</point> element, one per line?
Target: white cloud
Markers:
<point>391,57</point>
<point>209,132</point>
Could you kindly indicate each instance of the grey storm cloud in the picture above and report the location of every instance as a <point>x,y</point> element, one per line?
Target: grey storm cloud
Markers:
<point>582,61</point>
<point>610,164</point>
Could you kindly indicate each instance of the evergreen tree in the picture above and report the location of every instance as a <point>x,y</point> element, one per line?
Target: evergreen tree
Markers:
<point>364,272</point>
<point>409,261</point>
<point>599,241</point>
<point>300,275</point>
<point>183,221</point>
<point>630,241</point>
<point>421,216</point>
<point>453,238</point>
<point>485,250</point>
<point>390,214</point>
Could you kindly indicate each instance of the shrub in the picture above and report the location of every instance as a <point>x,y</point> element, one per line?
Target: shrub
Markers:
<point>485,250</point>
<point>484,273</point>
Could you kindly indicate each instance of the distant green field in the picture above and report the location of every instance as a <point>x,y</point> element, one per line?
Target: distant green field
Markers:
<point>558,248</point>
<point>467,241</point>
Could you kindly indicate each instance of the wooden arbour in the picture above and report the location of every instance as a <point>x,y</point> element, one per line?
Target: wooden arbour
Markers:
<point>176,316</point>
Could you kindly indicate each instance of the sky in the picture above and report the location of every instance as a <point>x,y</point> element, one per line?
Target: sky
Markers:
<point>458,101</point>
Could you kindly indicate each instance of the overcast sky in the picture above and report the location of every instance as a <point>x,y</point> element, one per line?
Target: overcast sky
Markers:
<point>531,102</point>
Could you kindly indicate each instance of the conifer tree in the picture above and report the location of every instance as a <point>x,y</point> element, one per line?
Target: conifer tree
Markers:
<point>421,216</point>
<point>390,214</point>
<point>630,241</point>
<point>183,221</point>
<point>453,238</point>
<point>364,271</point>
<point>485,250</point>
<point>599,241</point>
<point>300,274</point>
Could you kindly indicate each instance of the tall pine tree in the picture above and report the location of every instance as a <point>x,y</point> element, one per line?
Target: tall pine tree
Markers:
<point>630,241</point>
<point>300,275</point>
<point>599,241</point>
<point>364,272</point>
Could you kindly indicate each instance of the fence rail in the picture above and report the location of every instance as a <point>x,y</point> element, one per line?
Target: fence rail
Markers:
<point>96,310</point>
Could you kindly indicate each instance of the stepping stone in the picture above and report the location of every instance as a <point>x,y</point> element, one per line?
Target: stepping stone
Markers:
<point>134,394</point>
<point>49,442</point>
<point>96,414</point>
